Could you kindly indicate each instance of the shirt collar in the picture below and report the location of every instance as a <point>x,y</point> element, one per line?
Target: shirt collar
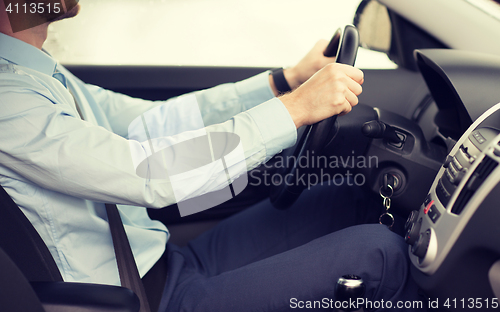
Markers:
<point>24,54</point>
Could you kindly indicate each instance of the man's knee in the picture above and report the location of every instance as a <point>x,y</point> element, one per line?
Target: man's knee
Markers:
<point>368,238</point>
<point>379,256</point>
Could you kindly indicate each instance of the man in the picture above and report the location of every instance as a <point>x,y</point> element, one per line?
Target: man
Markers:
<point>65,152</point>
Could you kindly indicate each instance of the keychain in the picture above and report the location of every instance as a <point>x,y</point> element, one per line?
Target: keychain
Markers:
<point>386,218</point>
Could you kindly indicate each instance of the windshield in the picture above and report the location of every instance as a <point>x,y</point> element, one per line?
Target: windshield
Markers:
<point>258,33</point>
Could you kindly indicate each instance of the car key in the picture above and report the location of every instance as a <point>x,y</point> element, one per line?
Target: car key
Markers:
<point>386,218</point>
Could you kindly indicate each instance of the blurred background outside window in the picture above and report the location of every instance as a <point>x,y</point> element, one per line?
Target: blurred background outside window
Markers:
<point>257,33</point>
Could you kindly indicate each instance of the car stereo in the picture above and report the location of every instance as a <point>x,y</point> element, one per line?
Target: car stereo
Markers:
<point>455,235</point>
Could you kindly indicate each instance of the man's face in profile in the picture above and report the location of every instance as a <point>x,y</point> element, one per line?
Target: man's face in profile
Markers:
<point>25,14</point>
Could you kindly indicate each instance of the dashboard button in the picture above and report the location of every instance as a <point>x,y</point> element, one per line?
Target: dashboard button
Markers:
<point>427,200</point>
<point>411,219</point>
<point>448,160</point>
<point>453,170</point>
<point>426,209</point>
<point>434,213</point>
<point>457,164</point>
<point>479,138</point>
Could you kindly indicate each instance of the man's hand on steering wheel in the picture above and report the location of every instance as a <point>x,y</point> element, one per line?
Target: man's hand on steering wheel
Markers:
<point>315,104</point>
<point>333,90</point>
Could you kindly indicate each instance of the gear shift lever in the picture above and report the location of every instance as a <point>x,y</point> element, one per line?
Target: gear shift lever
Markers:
<point>348,289</point>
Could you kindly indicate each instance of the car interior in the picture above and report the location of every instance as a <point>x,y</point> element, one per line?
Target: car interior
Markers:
<point>432,123</point>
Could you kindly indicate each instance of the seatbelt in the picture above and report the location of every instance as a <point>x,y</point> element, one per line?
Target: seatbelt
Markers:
<point>127,268</point>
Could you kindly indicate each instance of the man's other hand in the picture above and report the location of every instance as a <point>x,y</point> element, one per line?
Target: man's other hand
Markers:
<point>308,66</point>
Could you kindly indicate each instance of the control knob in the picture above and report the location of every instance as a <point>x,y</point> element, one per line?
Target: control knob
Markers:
<point>419,249</point>
<point>413,232</point>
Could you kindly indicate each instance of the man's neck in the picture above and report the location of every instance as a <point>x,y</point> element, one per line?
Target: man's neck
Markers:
<point>35,36</point>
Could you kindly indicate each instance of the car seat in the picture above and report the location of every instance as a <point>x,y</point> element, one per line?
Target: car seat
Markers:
<point>30,280</point>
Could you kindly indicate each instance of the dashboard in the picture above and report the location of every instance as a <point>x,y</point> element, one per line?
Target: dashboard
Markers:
<point>454,235</point>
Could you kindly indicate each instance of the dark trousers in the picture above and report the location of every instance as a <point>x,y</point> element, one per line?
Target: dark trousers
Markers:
<point>264,259</point>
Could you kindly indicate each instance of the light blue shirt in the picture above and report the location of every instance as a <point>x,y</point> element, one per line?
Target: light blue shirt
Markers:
<point>59,169</point>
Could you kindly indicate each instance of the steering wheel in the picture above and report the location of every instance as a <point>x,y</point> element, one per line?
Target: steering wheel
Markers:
<point>312,138</point>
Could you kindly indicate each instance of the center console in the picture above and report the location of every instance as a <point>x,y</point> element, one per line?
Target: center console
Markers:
<point>454,237</point>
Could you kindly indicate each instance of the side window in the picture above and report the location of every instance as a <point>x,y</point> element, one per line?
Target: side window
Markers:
<point>264,33</point>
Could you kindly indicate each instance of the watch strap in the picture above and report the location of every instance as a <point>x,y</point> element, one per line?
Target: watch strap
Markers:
<point>280,81</point>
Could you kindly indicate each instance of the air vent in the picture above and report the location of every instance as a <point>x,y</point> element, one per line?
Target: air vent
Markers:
<point>475,181</point>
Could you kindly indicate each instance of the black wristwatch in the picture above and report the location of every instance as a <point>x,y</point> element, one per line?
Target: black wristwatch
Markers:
<point>280,81</point>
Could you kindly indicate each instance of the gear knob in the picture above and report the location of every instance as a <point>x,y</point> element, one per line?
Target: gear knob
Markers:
<point>348,289</point>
